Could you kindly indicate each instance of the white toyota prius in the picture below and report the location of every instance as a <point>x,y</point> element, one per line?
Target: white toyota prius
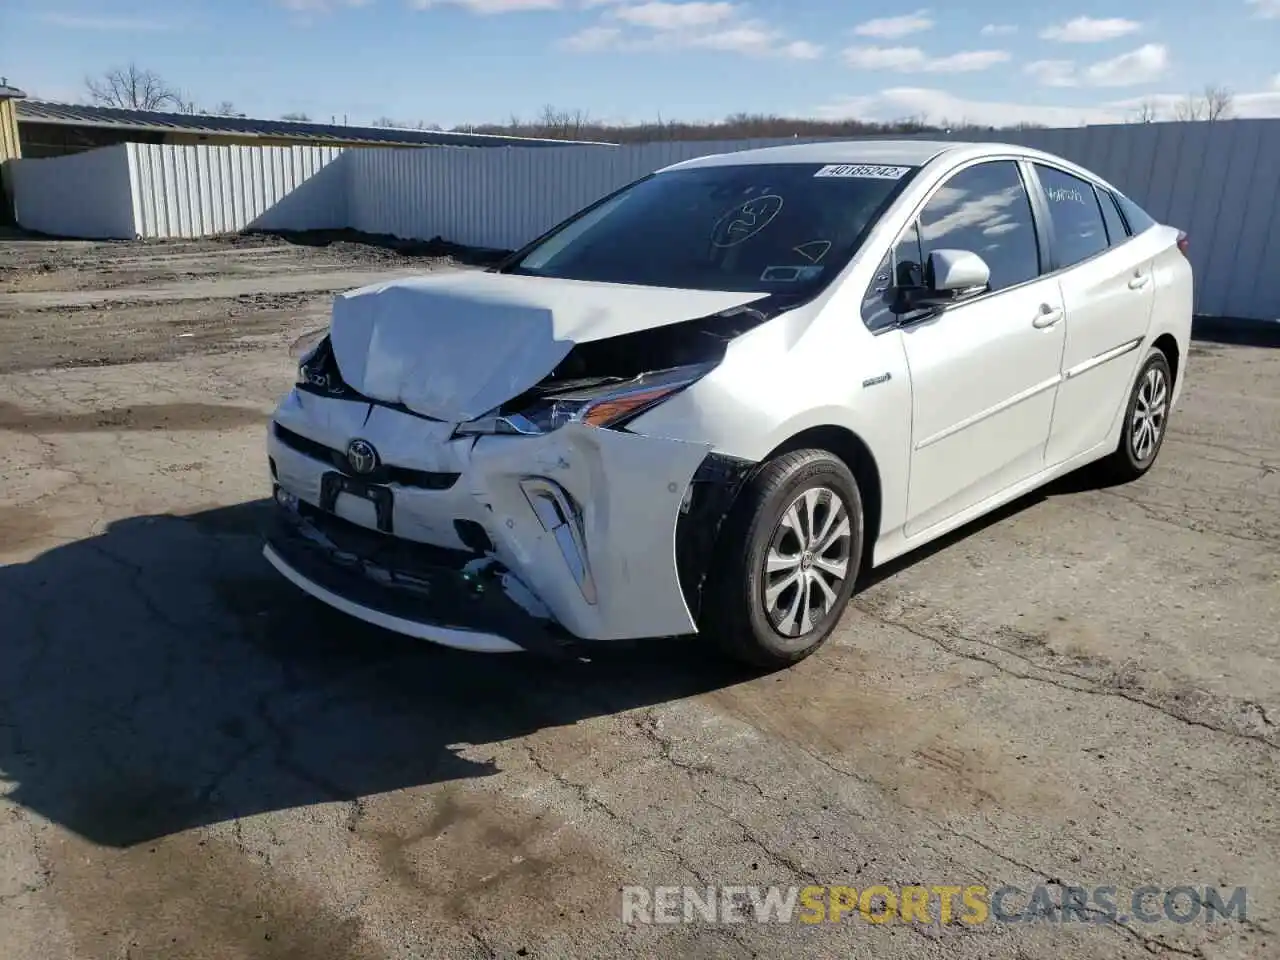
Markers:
<point>706,403</point>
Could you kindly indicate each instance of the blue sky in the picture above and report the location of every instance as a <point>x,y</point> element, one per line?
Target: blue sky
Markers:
<point>469,61</point>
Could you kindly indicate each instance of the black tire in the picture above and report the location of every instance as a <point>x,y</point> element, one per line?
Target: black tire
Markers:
<point>735,612</point>
<point>1132,458</point>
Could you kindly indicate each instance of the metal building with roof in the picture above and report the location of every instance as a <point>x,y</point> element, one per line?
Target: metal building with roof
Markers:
<point>53,129</point>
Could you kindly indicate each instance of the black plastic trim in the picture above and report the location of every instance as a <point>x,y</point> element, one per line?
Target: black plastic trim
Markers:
<point>409,581</point>
<point>715,487</point>
<point>403,476</point>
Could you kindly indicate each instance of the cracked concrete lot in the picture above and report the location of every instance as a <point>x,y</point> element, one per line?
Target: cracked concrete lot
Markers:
<point>197,761</point>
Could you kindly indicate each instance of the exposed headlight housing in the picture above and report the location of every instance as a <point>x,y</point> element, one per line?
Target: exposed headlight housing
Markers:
<point>603,405</point>
<point>317,368</point>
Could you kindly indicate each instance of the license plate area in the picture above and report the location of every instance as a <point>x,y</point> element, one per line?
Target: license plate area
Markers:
<point>334,485</point>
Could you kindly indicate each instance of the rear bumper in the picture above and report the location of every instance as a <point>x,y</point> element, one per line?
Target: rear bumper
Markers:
<point>444,596</point>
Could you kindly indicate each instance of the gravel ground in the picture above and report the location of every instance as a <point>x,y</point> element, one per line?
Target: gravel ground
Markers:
<point>198,761</point>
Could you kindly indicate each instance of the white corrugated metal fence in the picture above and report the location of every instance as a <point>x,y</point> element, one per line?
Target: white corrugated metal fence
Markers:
<point>1217,181</point>
<point>200,191</point>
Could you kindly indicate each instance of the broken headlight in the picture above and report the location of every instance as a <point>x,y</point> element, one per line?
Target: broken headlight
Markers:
<point>317,368</point>
<point>598,405</point>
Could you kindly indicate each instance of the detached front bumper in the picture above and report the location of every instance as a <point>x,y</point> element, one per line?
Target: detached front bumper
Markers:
<point>576,530</point>
<point>445,596</point>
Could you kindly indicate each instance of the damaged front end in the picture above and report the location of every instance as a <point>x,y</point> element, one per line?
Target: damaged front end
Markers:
<point>544,520</point>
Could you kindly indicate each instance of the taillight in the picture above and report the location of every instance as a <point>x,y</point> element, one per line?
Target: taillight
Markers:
<point>1184,243</point>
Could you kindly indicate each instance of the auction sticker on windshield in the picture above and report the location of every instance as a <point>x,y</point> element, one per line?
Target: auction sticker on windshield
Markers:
<point>865,171</point>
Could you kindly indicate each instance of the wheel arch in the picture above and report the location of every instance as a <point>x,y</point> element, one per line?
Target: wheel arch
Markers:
<point>700,531</point>
<point>857,456</point>
<point>1167,344</point>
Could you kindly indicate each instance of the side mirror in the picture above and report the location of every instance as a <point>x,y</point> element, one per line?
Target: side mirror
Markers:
<point>956,272</point>
<point>949,276</point>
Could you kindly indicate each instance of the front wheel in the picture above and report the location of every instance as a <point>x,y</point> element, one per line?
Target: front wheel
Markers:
<point>1146,418</point>
<point>788,560</point>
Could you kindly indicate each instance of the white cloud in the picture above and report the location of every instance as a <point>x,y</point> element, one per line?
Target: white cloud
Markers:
<point>937,106</point>
<point>1053,73</point>
<point>592,39</point>
<point>675,16</point>
<point>69,21</point>
<point>801,50</point>
<point>890,28</point>
<point>1089,30</point>
<point>1143,65</point>
<point>915,60</point>
<point>698,24</point>
<point>1266,9</point>
<point>998,30</point>
<point>486,7</point>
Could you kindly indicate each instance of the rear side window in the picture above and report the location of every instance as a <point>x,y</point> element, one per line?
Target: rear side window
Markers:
<point>1078,230</point>
<point>1117,232</point>
<point>1138,219</point>
<point>985,209</point>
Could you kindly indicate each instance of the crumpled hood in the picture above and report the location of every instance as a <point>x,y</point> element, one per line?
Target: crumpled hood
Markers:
<point>454,346</point>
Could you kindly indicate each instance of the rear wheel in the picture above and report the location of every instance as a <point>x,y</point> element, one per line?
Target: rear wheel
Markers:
<point>787,561</point>
<point>1145,421</point>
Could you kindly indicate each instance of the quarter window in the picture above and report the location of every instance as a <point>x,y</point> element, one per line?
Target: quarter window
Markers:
<point>985,209</point>
<point>1117,233</point>
<point>901,267</point>
<point>1138,219</point>
<point>1078,230</point>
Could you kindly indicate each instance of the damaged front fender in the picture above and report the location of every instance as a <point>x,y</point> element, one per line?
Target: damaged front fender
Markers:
<point>588,517</point>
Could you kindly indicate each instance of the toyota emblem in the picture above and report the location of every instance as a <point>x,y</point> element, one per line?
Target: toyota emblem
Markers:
<point>362,456</point>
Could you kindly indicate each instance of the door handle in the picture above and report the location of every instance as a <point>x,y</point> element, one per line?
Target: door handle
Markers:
<point>1047,316</point>
<point>1139,281</point>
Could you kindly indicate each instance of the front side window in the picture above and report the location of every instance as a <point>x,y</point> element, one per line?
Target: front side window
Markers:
<point>985,209</point>
<point>767,228</point>
<point>1078,230</point>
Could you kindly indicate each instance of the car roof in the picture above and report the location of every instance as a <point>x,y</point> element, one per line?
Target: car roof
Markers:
<point>904,153</point>
<point>907,153</point>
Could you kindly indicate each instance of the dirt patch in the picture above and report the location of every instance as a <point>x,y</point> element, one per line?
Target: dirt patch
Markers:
<point>22,525</point>
<point>903,731</point>
<point>163,416</point>
<point>195,897</point>
<point>135,301</point>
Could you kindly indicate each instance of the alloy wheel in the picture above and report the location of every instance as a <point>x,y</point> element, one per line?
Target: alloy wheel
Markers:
<point>1149,412</point>
<point>807,561</point>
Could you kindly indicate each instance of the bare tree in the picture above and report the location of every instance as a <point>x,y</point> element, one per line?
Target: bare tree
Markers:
<point>1190,109</point>
<point>299,116</point>
<point>132,88</point>
<point>227,109</point>
<point>1146,112</point>
<point>387,122</point>
<point>1218,102</point>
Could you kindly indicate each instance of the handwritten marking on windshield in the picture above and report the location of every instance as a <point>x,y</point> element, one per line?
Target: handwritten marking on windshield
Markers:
<point>745,220</point>
<point>814,250</point>
<point>864,171</point>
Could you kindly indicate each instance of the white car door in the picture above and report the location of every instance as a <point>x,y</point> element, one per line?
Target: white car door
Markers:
<point>1108,291</point>
<point>984,373</point>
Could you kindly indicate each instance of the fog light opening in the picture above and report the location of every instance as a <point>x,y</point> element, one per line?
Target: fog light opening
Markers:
<point>555,511</point>
<point>286,499</point>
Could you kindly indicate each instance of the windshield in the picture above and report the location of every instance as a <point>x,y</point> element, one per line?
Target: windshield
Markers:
<point>767,228</point>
